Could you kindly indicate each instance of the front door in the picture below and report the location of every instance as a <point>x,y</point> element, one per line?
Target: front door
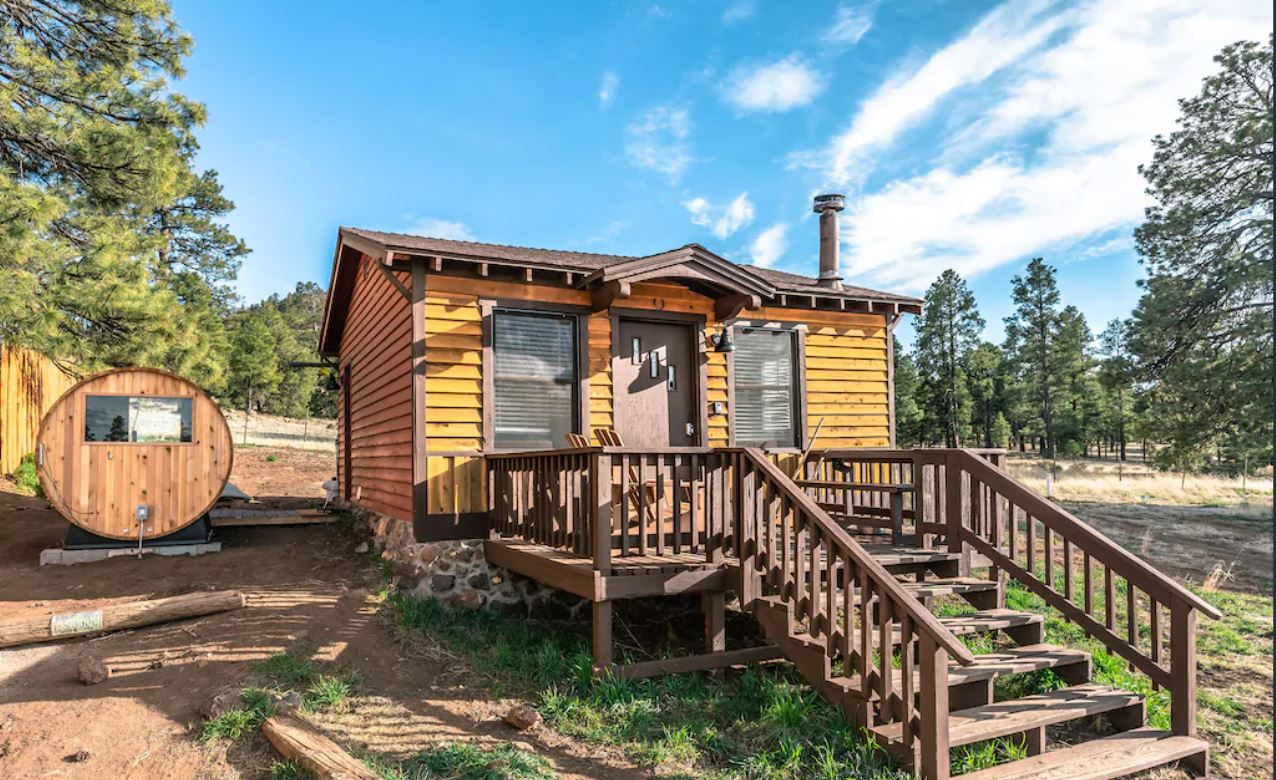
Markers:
<point>655,377</point>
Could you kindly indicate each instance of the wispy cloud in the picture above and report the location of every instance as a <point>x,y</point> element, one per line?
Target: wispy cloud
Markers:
<point>850,23</point>
<point>439,228</point>
<point>1084,107</point>
<point>775,86</point>
<point>739,11</point>
<point>770,245</point>
<point>722,222</point>
<point>1000,39</point>
<point>658,141</point>
<point>607,233</point>
<point>607,87</point>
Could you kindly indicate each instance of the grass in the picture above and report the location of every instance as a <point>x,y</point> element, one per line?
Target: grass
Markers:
<point>257,706</point>
<point>322,689</point>
<point>1138,483</point>
<point>764,723</point>
<point>287,770</point>
<point>25,477</point>
<point>465,761</point>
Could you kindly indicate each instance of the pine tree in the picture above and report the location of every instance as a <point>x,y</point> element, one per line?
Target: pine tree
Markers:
<point>1078,386</point>
<point>985,369</point>
<point>1030,346</point>
<point>254,366</point>
<point>908,413</point>
<point>1202,331</point>
<point>95,143</point>
<point>949,329</point>
<point>1116,373</point>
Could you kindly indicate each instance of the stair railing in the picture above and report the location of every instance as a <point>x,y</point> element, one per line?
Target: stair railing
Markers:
<point>1044,547</point>
<point>790,548</point>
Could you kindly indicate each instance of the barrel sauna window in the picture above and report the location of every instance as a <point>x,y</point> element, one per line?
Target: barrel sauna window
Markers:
<point>765,388</point>
<point>137,419</point>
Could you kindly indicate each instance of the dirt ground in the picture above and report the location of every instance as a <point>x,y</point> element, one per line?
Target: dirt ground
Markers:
<point>306,589</point>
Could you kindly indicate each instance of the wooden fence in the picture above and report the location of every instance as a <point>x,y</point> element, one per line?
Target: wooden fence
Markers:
<point>29,384</point>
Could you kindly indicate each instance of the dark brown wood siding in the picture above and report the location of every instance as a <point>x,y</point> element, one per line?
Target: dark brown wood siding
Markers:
<point>377,346</point>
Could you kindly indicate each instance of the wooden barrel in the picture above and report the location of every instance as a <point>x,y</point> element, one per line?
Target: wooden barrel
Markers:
<point>133,451</point>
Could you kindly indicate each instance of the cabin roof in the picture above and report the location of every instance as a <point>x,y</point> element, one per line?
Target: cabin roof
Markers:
<point>579,268</point>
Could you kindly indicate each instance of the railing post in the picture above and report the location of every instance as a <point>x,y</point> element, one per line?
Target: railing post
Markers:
<point>953,505</point>
<point>600,510</point>
<point>933,761</point>
<point>1182,669</point>
<point>745,481</point>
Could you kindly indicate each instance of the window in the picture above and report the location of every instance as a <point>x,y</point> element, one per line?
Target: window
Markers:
<point>535,381</point>
<point>765,409</point>
<point>139,419</point>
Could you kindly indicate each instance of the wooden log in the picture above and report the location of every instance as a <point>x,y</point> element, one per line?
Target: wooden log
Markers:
<point>300,743</point>
<point>115,617</point>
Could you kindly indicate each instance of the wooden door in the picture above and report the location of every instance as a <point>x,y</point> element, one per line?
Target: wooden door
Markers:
<point>655,376</point>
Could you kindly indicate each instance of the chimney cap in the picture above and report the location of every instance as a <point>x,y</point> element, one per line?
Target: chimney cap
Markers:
<point>829,202</point>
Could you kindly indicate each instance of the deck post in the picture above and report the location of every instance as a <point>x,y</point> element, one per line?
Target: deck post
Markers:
<point>746,481</point>
<point>952,506</point>
<point>602,637</point>
<point>1183,669</point>
<point>715,621</point>
<point>934,759</point>
<point>600,508</point>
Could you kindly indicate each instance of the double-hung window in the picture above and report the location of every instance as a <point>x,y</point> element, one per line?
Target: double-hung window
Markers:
<point>535,379</point>
<point>765,402</point>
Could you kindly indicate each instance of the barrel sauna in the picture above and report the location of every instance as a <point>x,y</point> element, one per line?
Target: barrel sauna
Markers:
<point>133,453</point>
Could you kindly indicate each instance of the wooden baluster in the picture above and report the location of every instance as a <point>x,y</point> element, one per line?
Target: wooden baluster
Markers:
<point>830,593</point>
<point>676,502</point>
<point>660,505</point>
<point>1048,554</point>
<point>1109,599</point>
<point>952,506</point>
<point>1131,617</point>
<point>1155,620</point>
<point>780,546</point>
<point>1014,532</point>
<point>1067,570</point>
<point>848,612</point>
<point>885,664</point>
<point>866,634</point>
<point>644,506</point>
<point>624,462</point>
<point>906,677</point>
<point>1031,537</point>
<point>798,577</point>
<point>1087,582</point>
<point>994,501</point>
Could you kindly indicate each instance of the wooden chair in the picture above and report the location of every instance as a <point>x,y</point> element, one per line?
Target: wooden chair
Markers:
<point>577,441</point>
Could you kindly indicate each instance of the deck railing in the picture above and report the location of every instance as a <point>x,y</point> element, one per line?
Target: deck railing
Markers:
<point>983,509</point>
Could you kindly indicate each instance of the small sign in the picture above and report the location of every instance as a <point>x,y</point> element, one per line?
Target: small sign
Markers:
<point>75,623</point>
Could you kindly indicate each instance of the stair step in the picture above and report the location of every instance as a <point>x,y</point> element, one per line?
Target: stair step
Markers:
<point>951,586</point>
<point>1115,756</point>
<point>1015,660</point>
<point>989,620</point>
<point>1018,715</point>
<point>893,555</point>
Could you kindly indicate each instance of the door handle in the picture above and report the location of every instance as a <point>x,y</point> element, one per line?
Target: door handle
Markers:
<point>691,429</point>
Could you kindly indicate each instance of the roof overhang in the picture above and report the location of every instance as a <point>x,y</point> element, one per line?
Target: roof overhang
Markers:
<point>732,287</point>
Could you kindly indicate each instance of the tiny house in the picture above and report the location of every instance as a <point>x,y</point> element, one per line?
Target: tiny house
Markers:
<point>631,427</point>
<point>449,351</point>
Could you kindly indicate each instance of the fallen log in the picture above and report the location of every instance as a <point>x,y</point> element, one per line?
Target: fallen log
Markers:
<point>116,617</point>
<point>301,744</point>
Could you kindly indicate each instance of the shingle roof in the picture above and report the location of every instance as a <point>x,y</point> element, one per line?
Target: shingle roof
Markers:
<point>589,261</point>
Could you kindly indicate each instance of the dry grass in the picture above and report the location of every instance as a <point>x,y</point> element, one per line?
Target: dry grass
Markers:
<point>1137,483</point>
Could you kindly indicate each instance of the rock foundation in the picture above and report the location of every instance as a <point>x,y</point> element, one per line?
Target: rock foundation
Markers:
<point>457,573</point>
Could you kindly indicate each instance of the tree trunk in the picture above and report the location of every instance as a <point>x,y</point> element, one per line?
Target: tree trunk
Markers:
<point>302,744</point>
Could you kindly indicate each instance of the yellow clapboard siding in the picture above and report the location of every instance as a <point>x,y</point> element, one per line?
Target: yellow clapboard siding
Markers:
<point>854,376</point>
<point>454,356</point>
<point>453,430</point>
<point>453,328</point>
<point>458,445</point>
<point>453,341</point>
<point>451,414</point>
<point>447,385</point>
<point>452,401</point>
<point>462,313</point>
<point>453,371</point>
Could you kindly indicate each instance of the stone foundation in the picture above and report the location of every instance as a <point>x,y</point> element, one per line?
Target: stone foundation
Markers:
<point>457,573</point>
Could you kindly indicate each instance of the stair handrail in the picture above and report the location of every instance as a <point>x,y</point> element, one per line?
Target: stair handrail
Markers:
<point>921,617</point>
<point>1062,519</point>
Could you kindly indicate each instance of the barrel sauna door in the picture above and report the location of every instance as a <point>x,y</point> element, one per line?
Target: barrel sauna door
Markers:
<point>655,384</point>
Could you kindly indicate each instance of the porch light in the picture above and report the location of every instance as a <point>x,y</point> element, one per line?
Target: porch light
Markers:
<point>722,342</point>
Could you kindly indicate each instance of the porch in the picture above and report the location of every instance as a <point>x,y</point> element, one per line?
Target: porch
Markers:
<point>841,559</point>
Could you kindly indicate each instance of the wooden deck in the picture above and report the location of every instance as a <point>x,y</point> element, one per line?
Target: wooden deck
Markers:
<point>633,576</point>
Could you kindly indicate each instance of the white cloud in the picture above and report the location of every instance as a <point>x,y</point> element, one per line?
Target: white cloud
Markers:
<point>440,228</point>
<point>769,245</point>
<point>658,141</point>
<point>1080,111</point>
<point>1001,38</point>
<point>607,88</point>
<point>739,11</point>
<point>776,86</point>
<point>722,222</point>
<point>850,23</point>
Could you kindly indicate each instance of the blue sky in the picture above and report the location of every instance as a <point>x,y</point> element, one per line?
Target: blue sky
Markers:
<point>967,135</point>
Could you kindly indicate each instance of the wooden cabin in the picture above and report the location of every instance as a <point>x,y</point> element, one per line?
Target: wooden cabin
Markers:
<point>620,427</point>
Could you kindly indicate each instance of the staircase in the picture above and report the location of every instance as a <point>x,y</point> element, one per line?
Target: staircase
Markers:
<point>858,622</point>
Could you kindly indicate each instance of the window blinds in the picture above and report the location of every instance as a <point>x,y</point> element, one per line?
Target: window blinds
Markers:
<point>764,388</point>
<point>534,379</point>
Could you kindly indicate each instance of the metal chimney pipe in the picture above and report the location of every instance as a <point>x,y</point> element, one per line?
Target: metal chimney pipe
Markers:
<point>827,207</point>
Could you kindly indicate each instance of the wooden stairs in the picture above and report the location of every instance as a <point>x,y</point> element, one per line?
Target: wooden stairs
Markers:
<point>801,599</point>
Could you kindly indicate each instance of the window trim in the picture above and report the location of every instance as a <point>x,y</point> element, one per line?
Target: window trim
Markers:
<point>798,331</point>
<point>488,308</point>
<point>84,406</point>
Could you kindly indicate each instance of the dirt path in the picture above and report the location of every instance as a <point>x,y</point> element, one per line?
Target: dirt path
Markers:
<point>306,589</point>
<point>1188,542</point>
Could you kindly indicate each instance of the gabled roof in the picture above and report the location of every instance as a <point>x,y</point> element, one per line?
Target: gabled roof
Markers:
<point>702,268</point>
